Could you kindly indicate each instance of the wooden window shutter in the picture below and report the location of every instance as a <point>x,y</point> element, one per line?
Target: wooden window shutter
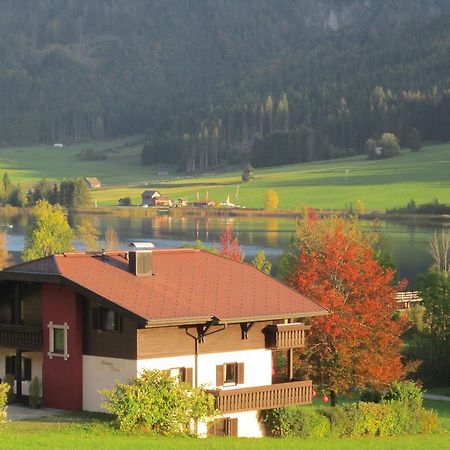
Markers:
<point>232,427</point>
<point>27,369</point>
<point>240,373</point>
<point>96,318</point>
<point>219,375</point>
<point>212,429</point>
<point>188,375</point>
<point>10,365</point>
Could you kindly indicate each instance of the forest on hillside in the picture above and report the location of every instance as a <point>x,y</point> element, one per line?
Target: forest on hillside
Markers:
<point>222,81</point>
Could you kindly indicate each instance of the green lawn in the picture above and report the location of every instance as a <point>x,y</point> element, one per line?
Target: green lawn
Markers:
<point>329,184</point>
<point>81,431</point>
<point>121,166</point>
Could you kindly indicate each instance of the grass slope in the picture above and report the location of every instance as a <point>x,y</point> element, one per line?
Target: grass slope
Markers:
<point>79,431</point>
<point>328,184</point>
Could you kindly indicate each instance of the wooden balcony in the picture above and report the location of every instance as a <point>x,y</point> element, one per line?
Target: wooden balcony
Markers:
<point>406,300</point>
<point>263,397</point>
<point>286,336</point>
<point>21,337</point>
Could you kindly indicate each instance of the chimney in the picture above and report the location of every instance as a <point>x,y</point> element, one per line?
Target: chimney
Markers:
<point>140,259</point>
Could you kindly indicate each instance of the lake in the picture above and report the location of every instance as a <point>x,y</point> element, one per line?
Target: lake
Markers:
<point>407,242</point>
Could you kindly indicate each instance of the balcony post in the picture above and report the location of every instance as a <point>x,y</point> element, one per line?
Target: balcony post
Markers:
<point>18,370</point>
<point>290,364</point>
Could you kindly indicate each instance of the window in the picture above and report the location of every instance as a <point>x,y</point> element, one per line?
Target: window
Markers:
<point>25,367</point>
<point>182,374</point>
<point>230,374</point>
<point>106,320</point>
<point>58,340</point>
<point>224,427</point>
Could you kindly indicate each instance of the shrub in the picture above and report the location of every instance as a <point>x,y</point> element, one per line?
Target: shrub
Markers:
<point>9,380</point>
<point>4,390</point>
<point>378,419</point>
<point>361,419</point>
<point>344,421</point>
<point>126,201</point>
<point>155,402</point>
<point>296,421</point>
<point>406,392</point>
<point>425,420</point>
<point>34,399</point>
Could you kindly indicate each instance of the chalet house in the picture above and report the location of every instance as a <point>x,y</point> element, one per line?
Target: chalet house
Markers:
<point>92,182</point>
<point>82,321</point>
<point>149,196</point>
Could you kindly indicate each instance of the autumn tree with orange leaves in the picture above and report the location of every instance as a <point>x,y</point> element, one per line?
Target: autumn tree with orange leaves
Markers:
<point>358,345</point>
<point>230,245</point>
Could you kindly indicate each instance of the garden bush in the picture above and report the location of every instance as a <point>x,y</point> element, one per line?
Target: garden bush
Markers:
<point>155,402</point>
<point>296,421</point>
<point>10,394</point>
<point>399,412</point>
<point>344,421</point>
<point>4,389</point>
<point>406,392</point>
<point>35,399</point>
<point>378,419</point>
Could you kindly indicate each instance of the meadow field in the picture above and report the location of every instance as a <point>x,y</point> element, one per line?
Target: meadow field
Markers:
<point>85,431</point>
<point>333,184</point>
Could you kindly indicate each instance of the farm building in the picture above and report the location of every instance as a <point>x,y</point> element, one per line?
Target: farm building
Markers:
<point>154,198</point>
<point>92,182</point>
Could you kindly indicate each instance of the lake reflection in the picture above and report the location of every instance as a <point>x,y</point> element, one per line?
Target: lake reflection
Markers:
<point>407,242</point>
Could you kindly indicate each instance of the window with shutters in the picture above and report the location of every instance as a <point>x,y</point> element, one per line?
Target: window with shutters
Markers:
<point>230,374</point>
<point>25,367</point>
<point>182,374</point>
<point>105,319</point>
<point>224,427</point>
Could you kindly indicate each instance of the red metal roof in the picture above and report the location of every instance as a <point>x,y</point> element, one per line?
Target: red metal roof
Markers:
<point>186,286</point>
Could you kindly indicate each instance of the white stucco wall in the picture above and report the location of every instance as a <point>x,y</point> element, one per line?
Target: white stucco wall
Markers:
<point>102,373</point>
<point>257,372</point>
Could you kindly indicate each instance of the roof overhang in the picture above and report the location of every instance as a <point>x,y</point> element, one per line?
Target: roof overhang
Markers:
<point>202,320</point>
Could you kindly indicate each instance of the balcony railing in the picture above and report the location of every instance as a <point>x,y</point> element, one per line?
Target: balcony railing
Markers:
<point>408,299</point>
<point>21,337</point>
<point>263,397</point>
<point>285,336</point>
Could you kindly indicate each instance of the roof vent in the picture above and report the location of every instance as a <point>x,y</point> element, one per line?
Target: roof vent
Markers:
<point>140,259</point>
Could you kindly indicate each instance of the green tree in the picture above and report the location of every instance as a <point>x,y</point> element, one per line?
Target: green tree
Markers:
<point>262,263</point>
<point>82,195</point>
<point>414,140</point>
<point>6,182</point>
<point>389,145</point>
<point>247,174</point>
<point>51,233</point>
<point>17,197</point>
